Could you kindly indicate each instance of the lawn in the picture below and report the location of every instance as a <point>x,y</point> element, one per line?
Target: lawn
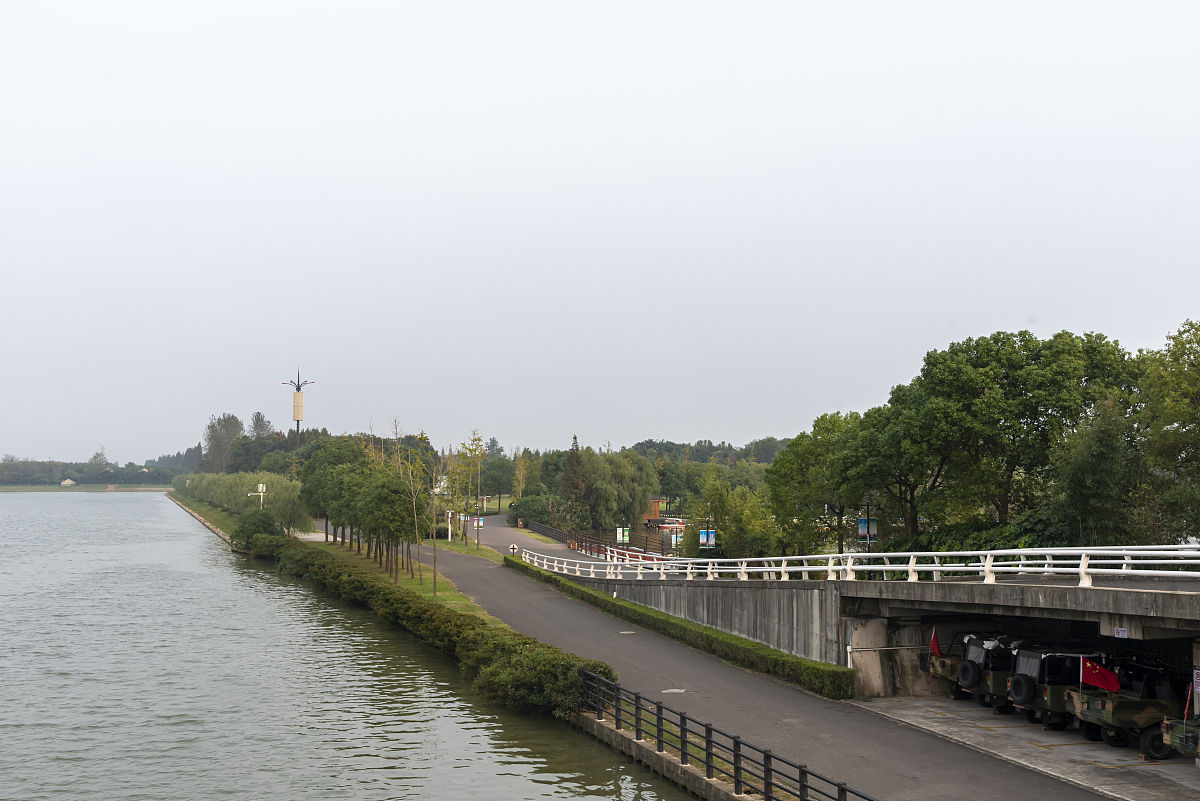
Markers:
<point>447,594</point>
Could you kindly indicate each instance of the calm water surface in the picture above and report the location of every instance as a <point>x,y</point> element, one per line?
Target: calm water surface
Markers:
<point>139,659</point>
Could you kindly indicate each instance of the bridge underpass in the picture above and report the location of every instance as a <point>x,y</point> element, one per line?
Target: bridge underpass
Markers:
<point>840,609</point>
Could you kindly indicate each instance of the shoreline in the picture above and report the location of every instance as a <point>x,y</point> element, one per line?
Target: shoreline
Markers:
<point>687,778</point>
<point>205,523</point>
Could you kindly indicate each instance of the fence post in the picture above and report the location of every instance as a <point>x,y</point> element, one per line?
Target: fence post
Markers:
<point>841,791</point>
<point>737,765</point>
<point>617,707</point>
<point>767,794</point>
<point>803,776</point>
<point>637,717</point>
<point>683,754</point>
<point>708,754</point>
<point>658,726</point>
<point>593,688</point>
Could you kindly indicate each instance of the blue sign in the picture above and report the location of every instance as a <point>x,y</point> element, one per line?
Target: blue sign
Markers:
<point>871,526</point>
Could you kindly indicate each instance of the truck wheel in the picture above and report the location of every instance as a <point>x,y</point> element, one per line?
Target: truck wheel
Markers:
<point>1117,738</point>
<point>1151,744</point>
<point>1023,688</point>
<point>1090,731</point>
<point>1031,715</point>
<point>969,675</point>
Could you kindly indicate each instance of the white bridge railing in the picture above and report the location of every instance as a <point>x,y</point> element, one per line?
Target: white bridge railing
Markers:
<point>1131,562</point>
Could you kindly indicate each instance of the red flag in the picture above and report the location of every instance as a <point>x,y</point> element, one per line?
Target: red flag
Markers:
<point>1097,676</point>
<point>935,646</point>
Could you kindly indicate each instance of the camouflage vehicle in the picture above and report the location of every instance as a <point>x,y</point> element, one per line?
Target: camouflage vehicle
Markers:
<point>1134,713</point>
<point>946,665</point>
<point>1182,735</point>
<point>1040,680</point>
<point>985,670</point>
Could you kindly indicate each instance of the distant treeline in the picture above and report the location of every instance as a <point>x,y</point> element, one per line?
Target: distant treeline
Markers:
<point>97,470</point>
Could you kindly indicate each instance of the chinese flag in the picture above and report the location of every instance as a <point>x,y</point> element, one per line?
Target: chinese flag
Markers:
<point>935,646</point>
<point>1097,676</point>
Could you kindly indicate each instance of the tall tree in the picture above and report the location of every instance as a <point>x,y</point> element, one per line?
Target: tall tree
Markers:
<point>219,436</point>
<point>573,484</point>
<point>260,426</point>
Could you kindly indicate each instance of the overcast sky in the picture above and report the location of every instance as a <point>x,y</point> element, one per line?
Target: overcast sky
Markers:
<point>620,220</point>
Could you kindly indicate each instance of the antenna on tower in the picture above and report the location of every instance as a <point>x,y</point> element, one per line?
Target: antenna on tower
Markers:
<point>298,401</point>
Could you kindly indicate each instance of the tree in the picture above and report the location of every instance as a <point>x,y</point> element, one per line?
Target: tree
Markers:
<point>902,450</point>
<point>219,435</point>
<point>1100,474</point>
<point>804,490</point>
<point>317,481</point>
<point>497,475</point>
<point>260,426</point>
<point>573,484</point>
<point>1012,398</point>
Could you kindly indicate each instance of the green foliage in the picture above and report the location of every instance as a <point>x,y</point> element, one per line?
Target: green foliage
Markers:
<point>507,667</point>
<point>253,523</point>
<point>231,493</point>
<point>831,681</point>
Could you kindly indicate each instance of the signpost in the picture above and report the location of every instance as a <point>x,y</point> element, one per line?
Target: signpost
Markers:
<point>262,490</point>
<point>708,538</point>
<point>623,535</point>
<point>868,529</point>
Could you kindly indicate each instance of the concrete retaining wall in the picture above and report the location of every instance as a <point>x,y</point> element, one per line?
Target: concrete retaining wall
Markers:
<point>801,617</point>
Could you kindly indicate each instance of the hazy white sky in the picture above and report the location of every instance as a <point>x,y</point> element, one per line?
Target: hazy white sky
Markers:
<point>619,220</point>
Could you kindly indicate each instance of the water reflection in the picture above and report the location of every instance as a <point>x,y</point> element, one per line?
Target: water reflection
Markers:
<point>154,664</point>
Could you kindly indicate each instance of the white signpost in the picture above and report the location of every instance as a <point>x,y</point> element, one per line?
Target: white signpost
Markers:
<point>262,490</point>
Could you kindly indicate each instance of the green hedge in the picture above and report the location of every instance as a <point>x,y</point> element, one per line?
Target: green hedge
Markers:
<point>831,681</point>
<point>510,668</point>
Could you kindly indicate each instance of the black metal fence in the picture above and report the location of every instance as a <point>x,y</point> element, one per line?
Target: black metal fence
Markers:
<point>723,756</point>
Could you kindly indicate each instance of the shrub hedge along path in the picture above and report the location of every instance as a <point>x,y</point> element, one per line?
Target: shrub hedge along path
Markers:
<point>871,753</point>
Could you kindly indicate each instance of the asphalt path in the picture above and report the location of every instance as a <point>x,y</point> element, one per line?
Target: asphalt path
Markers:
<point>886,759</point>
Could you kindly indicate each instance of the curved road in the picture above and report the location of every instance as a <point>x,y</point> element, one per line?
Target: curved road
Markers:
<point>875,755</point>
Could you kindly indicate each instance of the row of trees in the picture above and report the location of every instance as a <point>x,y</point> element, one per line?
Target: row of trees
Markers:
<point>583,489</point>
<point>233,493</point>
<point>1010,440</point>
<point>96,470</point>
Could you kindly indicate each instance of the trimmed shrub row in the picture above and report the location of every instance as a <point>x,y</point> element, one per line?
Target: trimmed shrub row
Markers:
<point>510,668</point>
<point>831,681</point>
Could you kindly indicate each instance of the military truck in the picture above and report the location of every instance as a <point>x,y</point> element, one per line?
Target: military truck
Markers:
<point>1134,713</point>
<point>986,668</point>
<point>1040,680</point>
<point>1182,735</point>
<point>946,665</point>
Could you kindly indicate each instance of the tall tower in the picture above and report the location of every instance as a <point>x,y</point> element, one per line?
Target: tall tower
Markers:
<point>298,401</point>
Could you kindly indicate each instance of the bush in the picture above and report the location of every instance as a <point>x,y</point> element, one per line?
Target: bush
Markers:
<point>260,522</point>
<point>507,667</point>
<point>831,681</point>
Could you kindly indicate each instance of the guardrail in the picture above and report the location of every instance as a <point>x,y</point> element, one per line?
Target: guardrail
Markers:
<point>1154,561</point>
<point>724,756</point>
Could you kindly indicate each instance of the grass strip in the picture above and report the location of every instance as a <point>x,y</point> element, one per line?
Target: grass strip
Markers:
<point>831,681</point>
<point>447,594</point>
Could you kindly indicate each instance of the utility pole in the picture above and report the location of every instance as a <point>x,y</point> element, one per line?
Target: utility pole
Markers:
<point>298,402</point>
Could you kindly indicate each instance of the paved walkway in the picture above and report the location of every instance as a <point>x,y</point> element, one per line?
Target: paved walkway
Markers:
<point>884,757</point>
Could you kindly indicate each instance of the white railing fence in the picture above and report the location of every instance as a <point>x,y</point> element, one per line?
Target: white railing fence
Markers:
<point>1153,561</point>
